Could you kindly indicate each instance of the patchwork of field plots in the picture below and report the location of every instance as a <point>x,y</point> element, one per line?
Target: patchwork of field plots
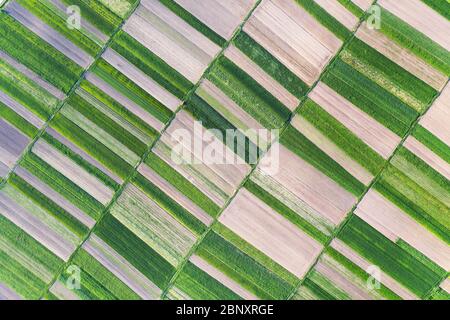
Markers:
<point>94,205</point>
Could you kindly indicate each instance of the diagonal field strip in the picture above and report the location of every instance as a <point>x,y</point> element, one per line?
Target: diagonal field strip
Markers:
<point>132,175</point>
<point>199,241</point>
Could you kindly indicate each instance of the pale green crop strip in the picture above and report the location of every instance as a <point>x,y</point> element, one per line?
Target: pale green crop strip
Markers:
<point>376,178</point>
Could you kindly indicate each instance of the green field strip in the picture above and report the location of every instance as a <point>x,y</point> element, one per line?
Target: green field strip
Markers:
<point>152,65</point>
<point>25,91</point>
<point>253,276</point>
<point>135,251</point>
<point>40,56</point>
<point>125,86</point>
<point>325,19</point>
<point>441,6</point>
<point>62,185</point>
<point>359,273</point>
<point>416,42</point>
<point>89,144</point>
<point>81,162</point>
<point>346,140</point>
<point>182,184</point>
<point>51,208</point>
<point>169,205</point>
<point>49,14</point>
<point>213,120</point>
<point>249,94</point>
<point>197,284</point>
<point>102,277</point>
<point>392,259</point>
<point>323,288</point>
<point>370,97</point>
<point>305,149</point>
<point>353,8</point>
<point>420,257</point>
<point>432,142</point>
<point>119,109</point>
<point>440,294</point>
<point>15,274</point>
<point>270,64</point>
<point>254,253</point>
<point>410,89</point>
<point>107,124</point>
<point>97,14</point>
<point>17,121</point>
<point>194,22</point>
<point>286,212</point>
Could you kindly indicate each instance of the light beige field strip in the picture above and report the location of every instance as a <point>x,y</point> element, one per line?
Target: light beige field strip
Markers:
<point>222,278</point>
<point>73,172</point>
<point>446,285</point>
<point>432,159</point>
<point>421,17</point>
<point>378,137</point>
<point>437,119</point>
<point>20,110</point>
<point>258,74</point>
<point>331,149</point>
<point>363,4</point>
<point>173,193</point>
<point>121,268</point>
<point>125,101</point>
<point>339,12</point>
<point>141,79</point>
<point>271,233</point>
<point>377,210</point>
<point>222,17</point>
<point>361,262</point>
<point>35,228</point>
<point>402,56</point>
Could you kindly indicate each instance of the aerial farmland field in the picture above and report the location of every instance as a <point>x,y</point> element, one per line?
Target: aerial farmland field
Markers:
<point>225,150</point>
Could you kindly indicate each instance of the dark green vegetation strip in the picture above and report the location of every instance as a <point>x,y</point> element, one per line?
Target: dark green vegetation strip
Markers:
<point>304,148</point>
<point>392,259</point>
<point>26,92</point>
<point>432,142</point>
<point>101,282</point>
<point>94,171</point>
<point>285,211</point>
<point>420,256</point>
<point>48,13</point>
<point>132,91</point>
<point>93,147</point>
<point>48,205</point>
<point>415,41</point>
<point>62,185</point>
<point>199,285</point>
<point>246,271</point>
<point>213,120</point>
<point>107,124</point>
<point>353,8</point>
<point>36,54</point>
<point>151,64</point>
<point>249,94</point>
<point>171,206</point>
<point>327,20</point>
<point>119,109</point>
<point>401,78</point>
<point>370,97</point>
<point>441,6</point>
<point>440,294</point>
<point>17,276</point>
<point>182,184</point>
<point>270,64</point>
<point>194,22</point>
<point>341,136</point>
<point>136,251</point>
<point>254,253</point>
<point>97,14</point>
<point>17,121</point>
